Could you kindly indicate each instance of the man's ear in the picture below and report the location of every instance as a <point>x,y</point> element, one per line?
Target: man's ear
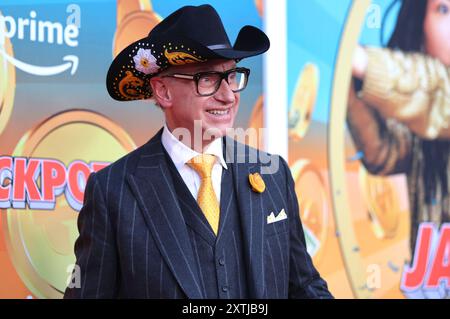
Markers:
<point>161,92</point>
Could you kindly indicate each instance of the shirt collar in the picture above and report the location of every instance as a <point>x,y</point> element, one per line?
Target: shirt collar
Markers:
<point>181,154</point>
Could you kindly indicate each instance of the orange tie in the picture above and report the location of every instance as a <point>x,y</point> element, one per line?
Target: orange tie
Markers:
<point>206,199</point>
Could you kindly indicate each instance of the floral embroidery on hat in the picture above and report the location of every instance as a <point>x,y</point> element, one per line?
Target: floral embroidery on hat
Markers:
<point>145,62</point>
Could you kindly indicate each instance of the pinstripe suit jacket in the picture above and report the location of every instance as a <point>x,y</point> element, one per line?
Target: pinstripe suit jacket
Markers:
<point>134,242</point>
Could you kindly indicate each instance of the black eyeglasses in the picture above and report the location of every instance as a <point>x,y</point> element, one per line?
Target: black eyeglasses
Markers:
<point>207,83</point>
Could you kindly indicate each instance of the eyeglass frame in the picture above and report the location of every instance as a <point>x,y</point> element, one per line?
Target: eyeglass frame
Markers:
<point>223,76</point>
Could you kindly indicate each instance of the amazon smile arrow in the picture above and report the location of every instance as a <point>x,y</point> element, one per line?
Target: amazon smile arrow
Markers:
<point>71,63</point>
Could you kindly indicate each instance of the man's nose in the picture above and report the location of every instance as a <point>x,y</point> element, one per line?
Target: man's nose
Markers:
<point>224,93</point>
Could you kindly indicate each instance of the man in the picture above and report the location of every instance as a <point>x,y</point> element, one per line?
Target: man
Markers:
<point>193,218</point>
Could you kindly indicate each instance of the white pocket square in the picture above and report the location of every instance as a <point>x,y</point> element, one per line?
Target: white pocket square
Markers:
<point>273,219</point>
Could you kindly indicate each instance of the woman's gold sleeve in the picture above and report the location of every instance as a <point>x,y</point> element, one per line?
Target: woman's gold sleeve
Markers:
<point>410,87</point>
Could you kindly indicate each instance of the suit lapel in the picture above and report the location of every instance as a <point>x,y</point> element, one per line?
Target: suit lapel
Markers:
<point>192,213</point>
<point>226,196</point>
<point>251,215</point>
<point>153,188</point>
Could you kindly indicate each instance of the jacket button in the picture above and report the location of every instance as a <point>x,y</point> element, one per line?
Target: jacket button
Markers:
<point>224,288</point>
<point>221,261</point>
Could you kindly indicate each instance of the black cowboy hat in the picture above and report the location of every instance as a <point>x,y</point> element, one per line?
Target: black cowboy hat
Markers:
<point>189,35</point>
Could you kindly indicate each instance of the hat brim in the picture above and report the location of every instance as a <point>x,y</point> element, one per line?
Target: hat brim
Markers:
<point>250,42</point>
<point>128,80</point>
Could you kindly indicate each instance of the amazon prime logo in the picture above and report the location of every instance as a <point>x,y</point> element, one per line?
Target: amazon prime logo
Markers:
<point>33,29</point>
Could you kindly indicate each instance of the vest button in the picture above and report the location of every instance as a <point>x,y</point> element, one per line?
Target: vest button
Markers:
<point>221,261</point>
<point>224,288</point>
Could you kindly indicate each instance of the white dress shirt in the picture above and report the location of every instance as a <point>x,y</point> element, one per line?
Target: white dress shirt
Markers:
<point>181,154</point>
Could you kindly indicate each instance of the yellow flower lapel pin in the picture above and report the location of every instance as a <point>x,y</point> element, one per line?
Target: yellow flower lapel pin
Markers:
<point>256,182</point>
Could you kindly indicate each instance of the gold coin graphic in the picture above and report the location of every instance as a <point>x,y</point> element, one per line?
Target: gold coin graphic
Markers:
<point>382,202</point>
<point>314,205</point>
<point>303,101</point>
<point>359,246</point>
<point>40,242</point>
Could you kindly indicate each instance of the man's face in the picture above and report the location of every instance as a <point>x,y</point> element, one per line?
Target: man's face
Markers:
<point>216,112</point>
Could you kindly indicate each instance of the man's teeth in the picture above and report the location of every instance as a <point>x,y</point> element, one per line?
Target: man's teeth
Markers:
<point>218,112</point>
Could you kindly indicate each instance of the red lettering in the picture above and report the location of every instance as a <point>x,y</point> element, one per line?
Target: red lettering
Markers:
<point>441,265</point>
<point>5,172</point>
<point>53,179</point>
<point>25,181</point>
<point>413,278</point>
<point>76,169</point>
<point>19,182</point>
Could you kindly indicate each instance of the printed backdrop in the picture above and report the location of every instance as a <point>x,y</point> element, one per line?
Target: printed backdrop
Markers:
<point>58,124</point>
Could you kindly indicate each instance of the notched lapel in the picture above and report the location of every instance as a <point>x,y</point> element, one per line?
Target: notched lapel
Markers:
<point>152,186</point>
<point>251,215</point>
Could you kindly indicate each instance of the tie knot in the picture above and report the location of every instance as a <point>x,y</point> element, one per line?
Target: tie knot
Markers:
<point>202,164</point>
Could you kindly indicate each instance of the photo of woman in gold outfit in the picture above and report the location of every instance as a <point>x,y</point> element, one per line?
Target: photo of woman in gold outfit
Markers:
<point>399,108</point>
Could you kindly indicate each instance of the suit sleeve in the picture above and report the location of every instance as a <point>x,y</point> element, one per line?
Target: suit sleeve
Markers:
<point>304,279</point>
<point>95,271</point>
